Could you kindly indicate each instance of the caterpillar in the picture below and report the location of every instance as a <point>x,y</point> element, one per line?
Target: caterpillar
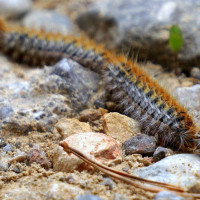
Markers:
<point>137,95</point>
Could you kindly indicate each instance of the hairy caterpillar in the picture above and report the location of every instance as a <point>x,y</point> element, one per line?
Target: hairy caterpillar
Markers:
<point>136,93</point>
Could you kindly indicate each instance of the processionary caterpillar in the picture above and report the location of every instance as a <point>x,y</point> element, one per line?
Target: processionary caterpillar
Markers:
<point>138,95</point>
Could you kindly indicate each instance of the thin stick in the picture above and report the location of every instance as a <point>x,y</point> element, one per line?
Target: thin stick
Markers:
<point>133,180</point>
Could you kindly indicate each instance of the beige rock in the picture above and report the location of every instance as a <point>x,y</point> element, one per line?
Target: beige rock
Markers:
<point>120,126</point>
<point>67,127</point>
<point>90,115</point>
<point>97,146</point>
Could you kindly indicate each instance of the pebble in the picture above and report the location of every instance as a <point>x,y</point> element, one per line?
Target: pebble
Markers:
<point>19,156</point>
<point>40,19</point>
<point>195,72</point>
<point>38,156</point>
<point>97,146</point>
<point>17,169</point>
<point>165,195</point>
<point>90,115</point>
<point>161,153</point>
<point>4,162</point>
<point>5,111</point>
<point>15,8</point>
<point>67,127</point>
<point>119,126</point>
<point>2,142</point>
<point>180,170</point>
<point>68,179</point>
<point>119,197</point>
<point>141,143</point>
<point>8,148</point>
<point>108,182</point>
<point>88,197</point>
<point>189,97</point>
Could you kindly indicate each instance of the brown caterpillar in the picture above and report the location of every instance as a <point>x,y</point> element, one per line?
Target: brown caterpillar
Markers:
<point>132,89</point>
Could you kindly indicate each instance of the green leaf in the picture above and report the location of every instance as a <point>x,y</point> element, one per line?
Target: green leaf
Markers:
<point>175,38</point>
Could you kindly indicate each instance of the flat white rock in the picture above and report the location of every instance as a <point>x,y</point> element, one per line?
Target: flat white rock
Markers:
<point>181,170</point>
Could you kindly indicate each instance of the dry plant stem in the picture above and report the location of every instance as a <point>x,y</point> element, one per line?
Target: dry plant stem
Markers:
<point>130,179</point>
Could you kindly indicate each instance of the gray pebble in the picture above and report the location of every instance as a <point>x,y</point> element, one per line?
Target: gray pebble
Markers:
<point>165,195</point>
<point>15,8</point>
<point>189,97</point>
<point>5,111</point>
<point>48,20</point>
<point>108,182</point>
<point>8,148</point>
<point>141,143</point>
<point>88,197</point>
<point>17,169</point>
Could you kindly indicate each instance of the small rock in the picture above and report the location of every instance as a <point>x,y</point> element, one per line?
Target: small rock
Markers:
<point>4,162</point>
<point>68,179</point>
<point>165,195</point>
<point>108,182</point>
<point>38,156</point>
<point>98,146</point>
<point>2,142</point>
<point>189,97</point>
<point>181,170</point>
<point>5,111</point>
<point>90,115</point>
<point>119,197</point>
<point>141,143</point>
<point>3,167</point>
<point>120,126</point>
<point>40,19</point>
<point>88,197</point>
<point>67,127</point>
<point>15,8</point>
<point>19,156</point>
<point>18,144</point>
<point>195,72</point>
<point>8,148</point>
<point>17,169</point>
<point>161,153</point>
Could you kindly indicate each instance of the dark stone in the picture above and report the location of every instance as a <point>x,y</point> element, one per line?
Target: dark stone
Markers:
<point>143,26</point>
<point>161,153</point>
<point>88,197</point>
<point>80,84</point>
<point>141,143</point>
<point>18,144</point>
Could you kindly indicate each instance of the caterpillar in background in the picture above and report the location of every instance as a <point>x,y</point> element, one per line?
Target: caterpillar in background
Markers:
<point>139,97</point>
